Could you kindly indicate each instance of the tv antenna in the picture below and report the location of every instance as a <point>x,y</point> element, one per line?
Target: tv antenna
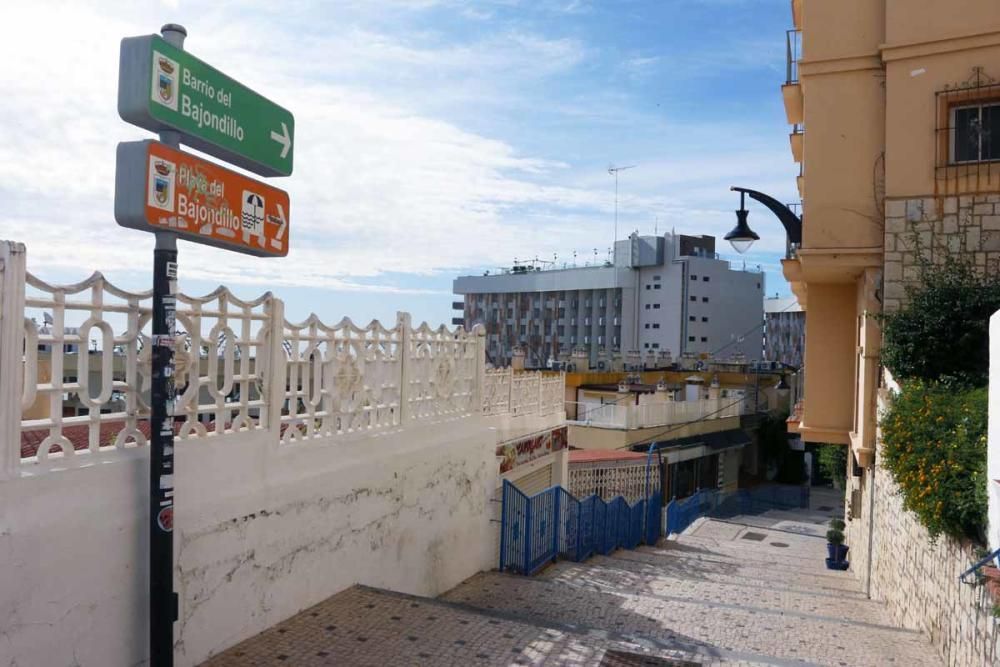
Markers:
<point>613,170</point>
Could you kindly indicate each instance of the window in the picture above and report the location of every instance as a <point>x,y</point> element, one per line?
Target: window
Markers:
<point>704,319</point>
<point>705,279</point>
<point>690,339</point>
<point>704,299</point>
<point>657,286</point>
<point>649,287</point>
<point>694,277</point>
<point>692,318</point>
<point>647,345</point>
<point>656,345</point>
<point>656,326</point>
<point>656,306</point>
<point>647,325</point>
<point>704,339</point>
<point>973,127</point>
<point>647,306</point>
<point>694,298</point>
<point>656,278</point>
<point>758,285</point>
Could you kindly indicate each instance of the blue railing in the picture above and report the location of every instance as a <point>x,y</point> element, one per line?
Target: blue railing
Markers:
<point>722,505</point>
<point>993,558</point>
<point>535,530</point>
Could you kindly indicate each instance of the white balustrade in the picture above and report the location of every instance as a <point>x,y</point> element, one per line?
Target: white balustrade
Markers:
<point>523,393</point>
<point>239,367</point>
<point>658,413</point>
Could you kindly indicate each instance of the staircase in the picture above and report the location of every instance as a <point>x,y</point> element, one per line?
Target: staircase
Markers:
<point>722,593</point>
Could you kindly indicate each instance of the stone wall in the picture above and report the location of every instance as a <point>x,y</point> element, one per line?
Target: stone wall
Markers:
<point>917,579</point>
<point>932,228</point>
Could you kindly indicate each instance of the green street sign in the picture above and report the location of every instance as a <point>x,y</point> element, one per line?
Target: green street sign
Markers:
<point>161,87</point>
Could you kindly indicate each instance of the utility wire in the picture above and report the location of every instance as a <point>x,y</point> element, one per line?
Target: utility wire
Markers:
<point>750,331</point>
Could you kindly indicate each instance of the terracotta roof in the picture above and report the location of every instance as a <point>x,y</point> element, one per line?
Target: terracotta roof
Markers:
<point>592,455</point>
<point>79,435</point>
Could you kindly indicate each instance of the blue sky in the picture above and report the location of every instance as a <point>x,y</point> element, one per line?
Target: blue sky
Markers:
<point>434,137</point>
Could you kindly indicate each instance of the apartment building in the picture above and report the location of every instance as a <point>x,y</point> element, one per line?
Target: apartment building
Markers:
<point>661,294</point>
<point>894,107</point>
<point>784,331</point>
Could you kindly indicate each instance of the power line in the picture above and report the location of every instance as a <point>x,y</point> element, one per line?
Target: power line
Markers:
<point>739,339</point>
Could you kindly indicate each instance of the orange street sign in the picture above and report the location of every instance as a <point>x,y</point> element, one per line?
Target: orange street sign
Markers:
<point>158,188</point>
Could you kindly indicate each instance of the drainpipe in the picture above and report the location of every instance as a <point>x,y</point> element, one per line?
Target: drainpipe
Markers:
<point>871,529</point>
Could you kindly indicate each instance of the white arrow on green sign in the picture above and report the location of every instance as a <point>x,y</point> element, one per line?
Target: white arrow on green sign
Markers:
<point>161,87</point>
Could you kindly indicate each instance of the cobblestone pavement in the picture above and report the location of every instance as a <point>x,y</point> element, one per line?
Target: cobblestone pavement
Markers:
<point>724,593</point>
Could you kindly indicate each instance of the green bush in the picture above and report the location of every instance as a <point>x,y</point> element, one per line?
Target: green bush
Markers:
<point>832,461</point>
<point>934,439</point>
<point>834,537</point>
<point>775,451</point>
<point>942,333</point>
<point>837,524</point>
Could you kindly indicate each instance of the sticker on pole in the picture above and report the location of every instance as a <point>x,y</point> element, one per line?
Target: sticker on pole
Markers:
<point>158,188</point>
<point>165,519</point>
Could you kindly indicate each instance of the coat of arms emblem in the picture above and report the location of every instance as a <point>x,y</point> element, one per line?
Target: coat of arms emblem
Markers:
<point>161,181</point>
<point>165,71</point>
<point>165,87</point>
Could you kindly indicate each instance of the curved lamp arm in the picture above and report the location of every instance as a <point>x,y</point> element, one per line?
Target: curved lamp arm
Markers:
<point>792,222</point>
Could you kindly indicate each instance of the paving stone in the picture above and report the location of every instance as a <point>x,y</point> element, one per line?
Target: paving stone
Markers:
<point>708,597</point>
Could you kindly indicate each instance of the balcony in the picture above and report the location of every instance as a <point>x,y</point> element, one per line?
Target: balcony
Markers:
<point>795,140</point>
<point>792,90</point>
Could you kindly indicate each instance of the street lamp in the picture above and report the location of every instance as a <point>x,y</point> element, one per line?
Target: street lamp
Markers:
<point>742,237</point>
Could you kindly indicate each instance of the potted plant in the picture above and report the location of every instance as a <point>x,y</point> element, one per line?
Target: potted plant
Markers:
<point>836,551</point>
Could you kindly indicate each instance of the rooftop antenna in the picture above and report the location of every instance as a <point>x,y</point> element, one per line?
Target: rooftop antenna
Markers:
<point>574,259</point>
<point>613,170</point>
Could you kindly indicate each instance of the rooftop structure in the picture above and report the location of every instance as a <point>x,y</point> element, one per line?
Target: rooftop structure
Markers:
<point>662,295</point>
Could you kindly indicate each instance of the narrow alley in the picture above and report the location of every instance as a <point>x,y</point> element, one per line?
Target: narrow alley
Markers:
<point>746,591</point>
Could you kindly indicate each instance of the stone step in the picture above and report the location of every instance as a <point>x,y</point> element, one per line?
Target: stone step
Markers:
<point>780,634</point>
<point>740,571</point>
<point>751,559</point>
<point>367,627</point>
<point>679,580</point>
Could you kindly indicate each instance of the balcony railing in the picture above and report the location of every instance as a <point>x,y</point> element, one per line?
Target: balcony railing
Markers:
<point>793,52</point>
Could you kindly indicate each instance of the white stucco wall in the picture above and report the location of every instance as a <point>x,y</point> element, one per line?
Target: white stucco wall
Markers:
<point>993,437</point>
<point>261,533</point>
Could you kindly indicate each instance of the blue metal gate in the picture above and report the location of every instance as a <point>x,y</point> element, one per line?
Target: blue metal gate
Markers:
<point>538,529</point>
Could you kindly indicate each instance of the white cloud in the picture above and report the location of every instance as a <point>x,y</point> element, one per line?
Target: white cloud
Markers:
<point>379,186</point>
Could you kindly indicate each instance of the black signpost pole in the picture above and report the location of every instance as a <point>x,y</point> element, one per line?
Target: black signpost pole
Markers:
<point>162,599</point>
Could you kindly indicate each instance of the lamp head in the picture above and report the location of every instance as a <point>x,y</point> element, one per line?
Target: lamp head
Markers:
<point>742,237</point>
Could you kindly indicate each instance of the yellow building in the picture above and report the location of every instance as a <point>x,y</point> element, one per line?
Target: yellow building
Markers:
<point>896,122</point>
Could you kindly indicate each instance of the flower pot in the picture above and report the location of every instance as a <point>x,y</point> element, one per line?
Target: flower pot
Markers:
<point>836,565</point>
<point>836,552</point>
